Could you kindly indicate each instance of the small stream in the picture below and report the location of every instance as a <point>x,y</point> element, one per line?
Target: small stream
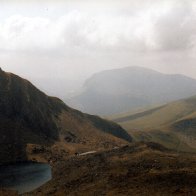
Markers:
<point>24,177</point>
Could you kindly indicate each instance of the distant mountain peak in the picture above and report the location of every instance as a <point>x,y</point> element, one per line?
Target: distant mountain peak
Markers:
<point>124,89</point>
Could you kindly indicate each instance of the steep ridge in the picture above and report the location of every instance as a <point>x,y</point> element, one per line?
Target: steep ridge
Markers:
<point>172,124</point>
<point>188,122</point>
<point>121,90</point>
<point>28,116</point>
<point>160,116</point>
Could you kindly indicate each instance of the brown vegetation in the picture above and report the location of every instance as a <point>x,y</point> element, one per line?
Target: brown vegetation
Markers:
<point>137,169</point>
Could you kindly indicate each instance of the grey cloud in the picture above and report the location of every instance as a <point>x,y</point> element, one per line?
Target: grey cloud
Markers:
<point>113,31</point>
<point>176,29</point>
<point>73,44</point>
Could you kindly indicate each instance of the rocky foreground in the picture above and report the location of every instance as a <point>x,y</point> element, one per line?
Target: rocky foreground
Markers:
<point>136,169</point>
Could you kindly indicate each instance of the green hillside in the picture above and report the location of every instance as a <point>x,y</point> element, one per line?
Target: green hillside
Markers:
<point>173,124</point>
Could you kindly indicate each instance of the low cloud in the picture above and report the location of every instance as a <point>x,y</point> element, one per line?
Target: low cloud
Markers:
<point>68,42</point>
<point>176,29</point>
<point>142,31</point>
<point>73,30</point>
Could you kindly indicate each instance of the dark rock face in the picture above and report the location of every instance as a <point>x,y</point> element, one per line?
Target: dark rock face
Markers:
<point>110,127</point>
<point>21,102</point>
<point>27,115</point>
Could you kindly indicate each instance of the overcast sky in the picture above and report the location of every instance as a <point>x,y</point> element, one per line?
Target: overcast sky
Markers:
<point>58,44</point>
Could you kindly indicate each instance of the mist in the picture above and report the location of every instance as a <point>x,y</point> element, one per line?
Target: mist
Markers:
<point>57,45</point>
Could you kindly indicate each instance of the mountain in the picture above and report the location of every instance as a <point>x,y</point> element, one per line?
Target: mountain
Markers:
<point>121,90</point>
<point>32,123</point>
<point>34,126</point>
<point>172,124</point>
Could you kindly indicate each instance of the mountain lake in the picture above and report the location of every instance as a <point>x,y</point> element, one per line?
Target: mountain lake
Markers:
<point>24,177</point>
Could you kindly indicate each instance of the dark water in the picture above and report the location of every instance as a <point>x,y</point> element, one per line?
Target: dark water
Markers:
<point>24,177</point>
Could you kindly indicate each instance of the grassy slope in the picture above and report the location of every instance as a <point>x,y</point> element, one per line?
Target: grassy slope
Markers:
<point>172,125</point>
